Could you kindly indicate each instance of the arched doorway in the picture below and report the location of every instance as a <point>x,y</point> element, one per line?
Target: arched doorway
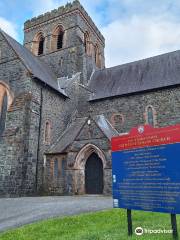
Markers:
<point>94,175</point>
<point>84,163</point>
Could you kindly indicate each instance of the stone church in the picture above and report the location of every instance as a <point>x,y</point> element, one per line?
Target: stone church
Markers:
<point>60,106</point>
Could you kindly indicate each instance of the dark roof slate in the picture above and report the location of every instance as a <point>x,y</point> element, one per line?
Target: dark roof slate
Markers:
<point>68,136</point>
<point>35,66</point>
<point>74,129</point>
<point>148,74</point>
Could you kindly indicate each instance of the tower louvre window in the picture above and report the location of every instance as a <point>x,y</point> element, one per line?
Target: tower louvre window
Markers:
<point>57,38</point>
<point>97,56</point>
<point>87,43</point>
<point>60,40</point>
<point>41,46</point>
<point>38,44</point>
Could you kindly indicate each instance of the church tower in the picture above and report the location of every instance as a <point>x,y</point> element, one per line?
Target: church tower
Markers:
<point>68,40</point>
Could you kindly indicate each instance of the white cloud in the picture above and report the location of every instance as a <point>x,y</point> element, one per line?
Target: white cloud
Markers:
<point>95,9</point>
<point>43,6</point>
<point>133,29</point>
<point>140,37</point>
<point>8,27</point>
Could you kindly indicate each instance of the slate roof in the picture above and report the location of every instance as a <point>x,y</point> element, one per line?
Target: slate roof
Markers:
<point>35,66</point>
<point>74,129</point>
<point>68,136</point>
<point>148,74</point>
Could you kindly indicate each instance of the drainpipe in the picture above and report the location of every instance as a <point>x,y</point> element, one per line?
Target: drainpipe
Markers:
<point>39,138</point>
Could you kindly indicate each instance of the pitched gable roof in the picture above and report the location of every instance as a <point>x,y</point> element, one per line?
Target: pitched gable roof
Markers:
<point>74,129</point>
<point>35,66</point>
<point>148,74</point>
<point>68,136</point>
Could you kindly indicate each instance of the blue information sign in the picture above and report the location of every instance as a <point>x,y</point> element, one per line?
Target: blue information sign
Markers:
<point>147,178</point>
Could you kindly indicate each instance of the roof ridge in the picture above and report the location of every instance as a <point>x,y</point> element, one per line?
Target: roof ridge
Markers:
<point>139,61</point>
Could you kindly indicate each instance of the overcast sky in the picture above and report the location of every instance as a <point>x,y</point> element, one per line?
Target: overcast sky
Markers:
<point>133,29</point>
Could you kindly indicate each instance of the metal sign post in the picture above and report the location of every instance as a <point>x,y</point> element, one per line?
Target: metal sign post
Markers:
<point>174,226</point>
<point>129,220</point>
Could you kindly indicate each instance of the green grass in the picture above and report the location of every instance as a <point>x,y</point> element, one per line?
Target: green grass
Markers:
<point>104,225</point>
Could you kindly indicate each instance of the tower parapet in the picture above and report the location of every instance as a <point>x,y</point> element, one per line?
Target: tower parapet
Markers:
<point>61,11</point>
<point>67,39</point>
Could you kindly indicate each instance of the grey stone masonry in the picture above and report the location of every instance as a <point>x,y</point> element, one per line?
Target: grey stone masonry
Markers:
<point>15,166</point>
<point>53,120</point>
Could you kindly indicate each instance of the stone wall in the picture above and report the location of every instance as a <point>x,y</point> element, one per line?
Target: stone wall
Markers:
<point>90,139</point>
<point>14,176</point>
<point>55,175</point>
<point>132,110</point>
<point>132,107</point>
<point>59,112</point>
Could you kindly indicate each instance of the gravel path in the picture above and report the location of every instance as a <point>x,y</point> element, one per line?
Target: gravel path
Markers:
<point>15,212</point>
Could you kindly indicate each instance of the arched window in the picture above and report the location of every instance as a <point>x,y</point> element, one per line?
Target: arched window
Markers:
<point>3,110</point>
<point>41,46</point>
<point>117,119</point>
<point>6,99</point>
<point>87,44</point>
<point>150,116</point>
<point>57,38</point>
<point>60,40</point>
<point>97,57</point>
<point>63,163</point>
<point>56,168</point>
<point>47,132</point>
<point>38,44</point>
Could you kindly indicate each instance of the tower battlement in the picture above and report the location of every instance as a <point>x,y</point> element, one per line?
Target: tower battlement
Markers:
<point>60,12</point>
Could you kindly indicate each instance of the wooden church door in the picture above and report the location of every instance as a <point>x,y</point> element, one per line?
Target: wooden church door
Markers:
<point>94,175</point>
